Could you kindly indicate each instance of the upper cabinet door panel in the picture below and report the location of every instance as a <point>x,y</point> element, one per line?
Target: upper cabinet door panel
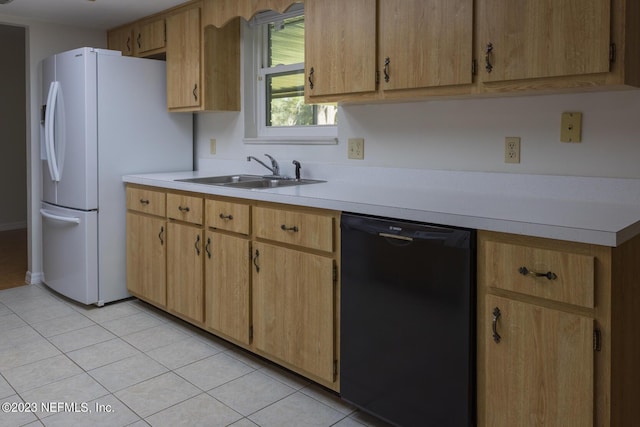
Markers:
<point>543,38</point>
<point>184,88</point>
<point>425,43</point>
<point>340,46</point>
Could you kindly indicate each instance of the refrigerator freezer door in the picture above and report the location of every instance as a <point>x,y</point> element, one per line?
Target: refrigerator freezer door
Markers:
<point>71,129</point>
<point>70,258</point>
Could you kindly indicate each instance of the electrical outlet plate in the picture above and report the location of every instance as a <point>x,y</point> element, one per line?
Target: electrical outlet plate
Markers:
<point>512,149</point>
<point>356,148</point>
<point>571,127</point>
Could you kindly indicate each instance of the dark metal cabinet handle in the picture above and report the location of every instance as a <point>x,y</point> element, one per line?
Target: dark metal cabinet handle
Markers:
<point>494,325</point>
<point>207,247</point>
<point>195,91</point>
<point>139,40</point>
<point>223,216</point>
<point>197,245</point>
<point>144,201</point>
<point>387,62</point>
<point>255,261</point>
<point>295,228</point>
<point>128,44</point>
<point>487,58</point>
<point>185,209</point>
<point>311,71</point>
<point>161,236</point>
<point>550,275</point>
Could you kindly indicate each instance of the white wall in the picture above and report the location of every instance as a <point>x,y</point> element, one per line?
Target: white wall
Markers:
<point>464,134</point>
<point>43,39</point>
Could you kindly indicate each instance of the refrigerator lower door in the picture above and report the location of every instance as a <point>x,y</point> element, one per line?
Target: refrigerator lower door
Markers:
<point>70,252</point>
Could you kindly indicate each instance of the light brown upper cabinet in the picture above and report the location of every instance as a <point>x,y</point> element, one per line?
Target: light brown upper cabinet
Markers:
<point>426,43</point>
<point>550,44</point>
<point>121,39</point>
<point>367,49</point>
<point>184,87</point>
<point>340,47</point>
<point>150,37</point>
<point>544,38</point>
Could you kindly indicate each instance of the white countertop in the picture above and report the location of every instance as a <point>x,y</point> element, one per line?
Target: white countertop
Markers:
<point>603,211</point>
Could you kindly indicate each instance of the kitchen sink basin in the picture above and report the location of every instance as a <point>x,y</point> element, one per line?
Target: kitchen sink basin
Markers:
<point>250,181</point>
<point>222,180</point>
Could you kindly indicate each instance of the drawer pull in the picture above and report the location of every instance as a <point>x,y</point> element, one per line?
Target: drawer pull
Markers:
<point>229,217</point>
<point>285,228</point>
<point>494,325</point>
<point>161,235</point>
<point>144,201</point>
<point>526,272</point>
<point>185,209</point>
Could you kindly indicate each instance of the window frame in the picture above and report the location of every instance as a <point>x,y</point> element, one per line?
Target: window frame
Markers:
<point>256,129</point>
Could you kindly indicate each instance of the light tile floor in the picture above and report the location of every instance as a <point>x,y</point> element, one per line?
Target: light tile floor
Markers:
<point>129,364</point>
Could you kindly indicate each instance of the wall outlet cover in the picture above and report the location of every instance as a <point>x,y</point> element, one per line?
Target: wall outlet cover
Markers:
<point>512,149</point>
<point>356,148</point>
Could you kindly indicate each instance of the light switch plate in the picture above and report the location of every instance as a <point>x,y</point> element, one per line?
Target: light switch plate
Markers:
<point>212,146</point>
<point>571,127</point>
<point>356,148</point>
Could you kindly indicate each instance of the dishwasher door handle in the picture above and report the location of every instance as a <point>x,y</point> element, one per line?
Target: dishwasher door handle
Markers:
<point>396,236</point>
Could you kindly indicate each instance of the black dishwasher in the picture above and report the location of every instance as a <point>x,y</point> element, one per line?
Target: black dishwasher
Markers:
<point>407,334</point>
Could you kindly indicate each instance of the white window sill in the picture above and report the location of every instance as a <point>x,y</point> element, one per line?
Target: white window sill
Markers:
<point>293,140</point>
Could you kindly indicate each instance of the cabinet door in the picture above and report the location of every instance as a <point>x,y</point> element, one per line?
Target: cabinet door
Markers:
<point>541,370</point>
<point>543,38</point>
<point>425,43</point>
<point>293,308</point>
<point>185,291</point>
<point>340,46</point>
<point>150,36</point>
<point>227,285</point>
<point>146,258</point>
<point>183,60</point>
<point>121,39</point>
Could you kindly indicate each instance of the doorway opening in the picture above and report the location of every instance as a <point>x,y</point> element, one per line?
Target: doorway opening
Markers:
<point>13,156</point>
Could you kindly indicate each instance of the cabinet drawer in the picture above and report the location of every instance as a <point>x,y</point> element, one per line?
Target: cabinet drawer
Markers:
<point>147,201</point>
<point>184,208</point>
<point>554,275</point>
<point>297,228</point>
<point>228,216</point>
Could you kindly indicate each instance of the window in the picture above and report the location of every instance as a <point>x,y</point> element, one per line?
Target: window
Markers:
<point>278,95</point>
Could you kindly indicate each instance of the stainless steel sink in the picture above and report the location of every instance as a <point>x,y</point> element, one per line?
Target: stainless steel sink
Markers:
<point>273,183</point>
<point>222,180</point>
<point>250,181</point>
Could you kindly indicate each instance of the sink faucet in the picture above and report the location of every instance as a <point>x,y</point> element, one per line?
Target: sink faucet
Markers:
<point>275,168</point>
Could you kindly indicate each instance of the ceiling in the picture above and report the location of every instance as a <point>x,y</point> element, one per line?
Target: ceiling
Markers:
<point>98,14</point>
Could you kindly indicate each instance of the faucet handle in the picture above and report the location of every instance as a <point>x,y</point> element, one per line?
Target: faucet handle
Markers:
<point>274,165</point>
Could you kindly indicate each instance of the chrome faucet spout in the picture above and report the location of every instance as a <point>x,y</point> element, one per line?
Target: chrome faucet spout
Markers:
<point>274,168</point>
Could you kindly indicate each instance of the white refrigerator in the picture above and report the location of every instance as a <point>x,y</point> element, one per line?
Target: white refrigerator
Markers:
<point>103,116</point>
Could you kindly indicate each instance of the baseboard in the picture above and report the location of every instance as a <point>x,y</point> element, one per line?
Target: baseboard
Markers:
<point>13,226</point>
<point>34,278</point>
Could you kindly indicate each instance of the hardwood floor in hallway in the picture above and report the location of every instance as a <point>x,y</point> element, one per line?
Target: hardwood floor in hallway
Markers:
<point>13,258</point>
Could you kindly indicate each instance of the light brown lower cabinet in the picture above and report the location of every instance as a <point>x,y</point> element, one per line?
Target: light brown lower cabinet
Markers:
<point>293,308</point>
<point>211,249</point>
<point>227,285</point>
<point>542,365</point>
<point>558,337</point>
<point>185,290</point>
<point>146,257</point>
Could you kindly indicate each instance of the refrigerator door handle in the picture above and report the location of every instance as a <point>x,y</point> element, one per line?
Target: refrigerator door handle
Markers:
<point>69,219</point>
<point>49,131</point>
